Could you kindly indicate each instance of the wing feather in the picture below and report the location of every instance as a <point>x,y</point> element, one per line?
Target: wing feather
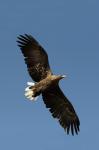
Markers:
<point>35,57</point>
<point>62,109</point>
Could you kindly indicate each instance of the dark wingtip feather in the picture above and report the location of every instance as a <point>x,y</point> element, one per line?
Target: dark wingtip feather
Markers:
<point>72,129</point>
<point>78,124</point>
<point>24,37</point>
<point>23,40</point>
<point>78,127</point>
<point>68,128</point>
<point>75,127</point>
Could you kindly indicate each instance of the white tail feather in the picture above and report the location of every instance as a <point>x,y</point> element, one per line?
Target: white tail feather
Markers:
<point>30,83</point>
<point>29,92</point>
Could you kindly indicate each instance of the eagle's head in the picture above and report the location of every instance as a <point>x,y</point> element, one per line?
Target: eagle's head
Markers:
<point>57,77</point>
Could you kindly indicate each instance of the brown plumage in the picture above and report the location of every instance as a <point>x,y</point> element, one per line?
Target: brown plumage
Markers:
<point>47,84</point>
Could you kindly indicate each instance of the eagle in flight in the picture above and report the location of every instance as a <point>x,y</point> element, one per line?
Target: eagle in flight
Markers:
<point>47,84</point>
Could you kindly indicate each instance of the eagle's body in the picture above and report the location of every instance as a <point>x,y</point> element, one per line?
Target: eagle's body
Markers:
<point>47,84</point>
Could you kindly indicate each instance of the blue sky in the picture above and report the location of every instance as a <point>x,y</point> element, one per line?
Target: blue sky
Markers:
<point>69,31</point>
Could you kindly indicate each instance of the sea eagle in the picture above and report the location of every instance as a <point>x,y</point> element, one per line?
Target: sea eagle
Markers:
<point>47,84</point>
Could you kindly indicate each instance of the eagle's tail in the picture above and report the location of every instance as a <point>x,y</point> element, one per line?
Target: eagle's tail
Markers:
<point>29,92</point>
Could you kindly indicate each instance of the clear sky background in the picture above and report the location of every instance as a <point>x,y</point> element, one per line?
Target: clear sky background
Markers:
<point>69,31</point>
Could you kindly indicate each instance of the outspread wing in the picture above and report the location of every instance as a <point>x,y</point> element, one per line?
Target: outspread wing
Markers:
<point>35,57</point>
<point>62,109</point>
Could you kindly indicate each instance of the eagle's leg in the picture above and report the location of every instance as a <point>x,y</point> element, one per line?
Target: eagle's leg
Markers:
<point>29,93</point>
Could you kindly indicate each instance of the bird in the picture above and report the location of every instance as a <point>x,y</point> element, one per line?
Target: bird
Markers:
<point>47,84</point>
